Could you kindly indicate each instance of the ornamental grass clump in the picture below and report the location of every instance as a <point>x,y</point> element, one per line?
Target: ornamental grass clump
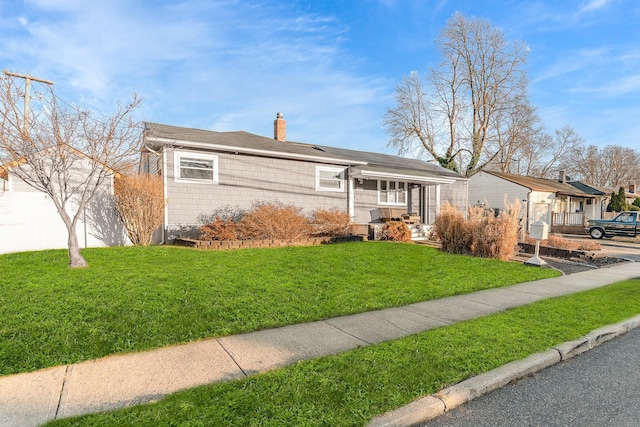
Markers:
<point>481,234</point>
<point>495,236</point>
<point>451,230</point>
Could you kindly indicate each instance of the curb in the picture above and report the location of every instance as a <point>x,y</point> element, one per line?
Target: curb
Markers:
<point>432,406</point>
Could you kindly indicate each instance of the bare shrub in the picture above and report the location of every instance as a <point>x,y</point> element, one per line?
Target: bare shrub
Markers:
<point>273,220</point>
<point>396,231</point>
<point>226,212</point>
<point>330,222</point>
<point>140,204</point>
<point>219,229</point>
<point>482,234</point>
<point>560,243</point>
<point>587,245</point>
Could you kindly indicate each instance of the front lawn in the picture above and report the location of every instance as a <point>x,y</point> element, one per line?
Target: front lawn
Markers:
<point>133,298</point>
<point>351,388</point>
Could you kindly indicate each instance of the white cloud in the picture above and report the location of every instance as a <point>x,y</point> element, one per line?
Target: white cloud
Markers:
<point>594,5</point>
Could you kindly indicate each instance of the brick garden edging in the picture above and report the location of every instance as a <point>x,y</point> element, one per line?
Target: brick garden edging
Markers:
<point>269,243</point>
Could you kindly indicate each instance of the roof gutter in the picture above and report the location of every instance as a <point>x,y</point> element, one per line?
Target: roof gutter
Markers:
<point>255,151</point>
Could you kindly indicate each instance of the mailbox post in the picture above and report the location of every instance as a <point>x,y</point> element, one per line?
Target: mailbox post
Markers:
<point>539,231</point>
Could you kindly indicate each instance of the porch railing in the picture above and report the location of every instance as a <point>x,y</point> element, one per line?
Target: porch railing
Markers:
<point>568,218</point>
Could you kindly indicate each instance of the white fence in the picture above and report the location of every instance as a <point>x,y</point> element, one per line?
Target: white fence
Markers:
<point>29,222</point>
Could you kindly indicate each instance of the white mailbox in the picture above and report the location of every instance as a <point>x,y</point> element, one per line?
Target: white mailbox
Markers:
<point>539,230</point>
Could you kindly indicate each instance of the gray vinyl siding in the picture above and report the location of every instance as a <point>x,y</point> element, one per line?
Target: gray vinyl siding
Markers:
<point>244,179</point>
<point>366,200</point>
<point>150,163</point>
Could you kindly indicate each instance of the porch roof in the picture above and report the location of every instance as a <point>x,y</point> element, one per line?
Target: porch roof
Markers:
<point>588,188</point>
<point>399,174</point>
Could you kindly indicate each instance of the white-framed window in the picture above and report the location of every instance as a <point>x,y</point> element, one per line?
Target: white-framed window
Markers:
<point>392,193</point>
<point>329,179</point>
<point>196,167</point>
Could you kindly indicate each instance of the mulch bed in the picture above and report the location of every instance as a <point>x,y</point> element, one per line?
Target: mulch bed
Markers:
<point>580,265</point>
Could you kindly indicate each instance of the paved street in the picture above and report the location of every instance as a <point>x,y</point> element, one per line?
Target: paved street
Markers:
<point>627,248</point>
<point>624,247</point>
<point>598,388</point>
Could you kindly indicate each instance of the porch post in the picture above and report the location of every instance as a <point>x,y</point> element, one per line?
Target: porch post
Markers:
<point>437,200</point>
<point>351,198</point>
<point>421,203</point>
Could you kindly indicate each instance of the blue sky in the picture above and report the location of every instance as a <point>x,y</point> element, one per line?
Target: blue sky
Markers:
<point>329,66</point>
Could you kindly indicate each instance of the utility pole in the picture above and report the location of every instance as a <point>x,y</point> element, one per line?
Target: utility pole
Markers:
<point>27,85</point>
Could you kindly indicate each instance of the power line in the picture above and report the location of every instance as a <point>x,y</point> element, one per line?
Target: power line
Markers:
<point>27,78</point>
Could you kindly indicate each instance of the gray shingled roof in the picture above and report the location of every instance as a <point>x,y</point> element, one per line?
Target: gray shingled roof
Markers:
<point>247,140</point>
<point>542,184</point>
<point>239,139</point>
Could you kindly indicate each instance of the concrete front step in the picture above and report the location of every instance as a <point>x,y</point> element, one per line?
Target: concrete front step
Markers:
<point>419,231</point>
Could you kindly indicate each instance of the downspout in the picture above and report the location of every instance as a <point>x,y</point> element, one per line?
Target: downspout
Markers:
<point>84,221</point>
<point>166,199</point>
<point>525,228</point>
<point>351,196</point>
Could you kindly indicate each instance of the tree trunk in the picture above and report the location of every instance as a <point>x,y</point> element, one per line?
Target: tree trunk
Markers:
<point>76,260</point>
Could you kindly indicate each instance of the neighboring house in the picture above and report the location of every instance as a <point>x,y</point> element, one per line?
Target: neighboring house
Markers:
<point>563,205</point>
<point>603,195</point>
<point>632,193</point>
<point>204,170</point>
<point>29,220</point>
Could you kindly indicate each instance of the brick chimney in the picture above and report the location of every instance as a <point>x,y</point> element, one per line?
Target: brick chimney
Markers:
<point>563,177</point>
<point>280,128</point>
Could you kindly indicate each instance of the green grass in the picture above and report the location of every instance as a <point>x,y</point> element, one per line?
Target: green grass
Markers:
<point>351,388</point>
<point>133,298</point>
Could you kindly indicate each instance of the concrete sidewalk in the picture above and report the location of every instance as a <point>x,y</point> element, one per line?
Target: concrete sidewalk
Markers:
<point>113,382</point>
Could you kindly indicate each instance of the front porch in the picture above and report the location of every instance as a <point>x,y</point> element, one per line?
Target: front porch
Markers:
<point>568,222</point>
<point>419,230</point>
<point>378,194</point>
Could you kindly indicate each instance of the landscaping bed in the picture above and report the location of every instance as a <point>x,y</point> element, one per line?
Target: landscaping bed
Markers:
<point>595,259</point>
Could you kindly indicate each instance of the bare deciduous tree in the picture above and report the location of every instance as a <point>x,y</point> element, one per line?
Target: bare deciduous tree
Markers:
<point>466,104</point>
<point>539,154</point>
<point>140,203</point>
<point>612,166</point>
<point>68,153</point>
